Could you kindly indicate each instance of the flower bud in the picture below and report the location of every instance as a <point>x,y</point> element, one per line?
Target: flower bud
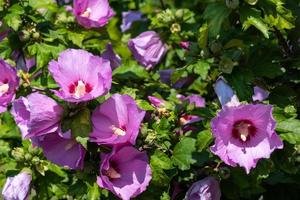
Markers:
<point>175,28</point>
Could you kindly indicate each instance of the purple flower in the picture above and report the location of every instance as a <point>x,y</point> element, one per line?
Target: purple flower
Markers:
<point>244,134</point>
<point>4,34</point>
<point>36,115</point>
<point>125,172</point>
<point>17,187</point>
<point>147,48</point>
<point>260,94</point>
<point>109,54</point>
<point>128,18</point>
<point>198,101</point>
<point>185,45</point>
<point>61,149</point>
<point>225,93</point>
<point>116,121</point>
<point>80,75</point>
<point>22,62</point>
<point>9,83</point>
<point>92,13</point>
<point>156,102</point>
<point>165,77</point>
<point>205,189</point>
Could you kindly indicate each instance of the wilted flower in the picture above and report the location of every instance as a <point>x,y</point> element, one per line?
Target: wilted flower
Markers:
<point>92,14</point>
<point>125,172</point>
<point>17,187</point>
<point>81,75</point>
<point>109,54</point>
<point>205,189</point>
<point>61,149</point>
<point>128,18</point>
<point>147,48</point>
<point>36,115</point>
<point>116,121</point>
<point>259,94</point>
<point>9,83</point>
<point>244,134</point>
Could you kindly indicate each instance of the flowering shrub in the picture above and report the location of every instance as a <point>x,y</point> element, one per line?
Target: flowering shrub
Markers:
<point>149,99</point>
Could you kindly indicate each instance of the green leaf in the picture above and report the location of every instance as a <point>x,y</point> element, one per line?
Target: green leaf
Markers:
<point>182,153</point>
<point>252,17</point>
<point>215,14</point>
<point>201,67</point>
<point>130,70</point>
<point>203,36</point>
<point>76,38</point>
<point>81,124</point>
<point>57,170</point>
<point>290,129</point>
<point>145,105</point>
<point>159,162</point>
<point>93,192</point>
<point>204,138</point>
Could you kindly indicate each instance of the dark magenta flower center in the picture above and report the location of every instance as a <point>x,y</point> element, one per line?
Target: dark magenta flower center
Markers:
<point>243,130</point>
<point>113,171</point>
<point>79,89</point>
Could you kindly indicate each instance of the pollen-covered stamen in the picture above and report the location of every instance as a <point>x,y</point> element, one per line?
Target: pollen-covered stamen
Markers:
<point>87,13</point>
<point>118,131</point>
<point>243,130</point>
<point>4,89</point>
<point>112,173</point>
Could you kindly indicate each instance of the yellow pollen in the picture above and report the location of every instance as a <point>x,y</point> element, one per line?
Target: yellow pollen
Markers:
<point>4,89</point>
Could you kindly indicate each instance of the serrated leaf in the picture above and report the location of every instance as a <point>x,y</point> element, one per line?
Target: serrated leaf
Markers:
<point>182,153</point>
<point>203,139</point>
<point>130,70</point>
<point>290,129</point>
<point>215,14</point>
<point>252,17</point>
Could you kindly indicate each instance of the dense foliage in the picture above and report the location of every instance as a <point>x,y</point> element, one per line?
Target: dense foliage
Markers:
<point>247,42</point>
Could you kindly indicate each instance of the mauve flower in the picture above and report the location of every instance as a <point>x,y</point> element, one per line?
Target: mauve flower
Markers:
<point>165,77</point>
<point>128,18</point>
<point>260,94</point>
<point>244,134</point>
<point>61,149</point>
<point>125,172</point>
<point>17,187</point>
<point>22,62</point>
<point>196,100</point>
<point>185,45</point>
<point>109,54</point>
<point>116,121</point>
<point>205,189</point>
<point>225,93</point>
<point>9,83</point>
<point>36,115</point>
<point>156,102</point>
<point>80,75</point>
<point>4,34</point>
<point>147,48</point>
<point>92,13</point>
